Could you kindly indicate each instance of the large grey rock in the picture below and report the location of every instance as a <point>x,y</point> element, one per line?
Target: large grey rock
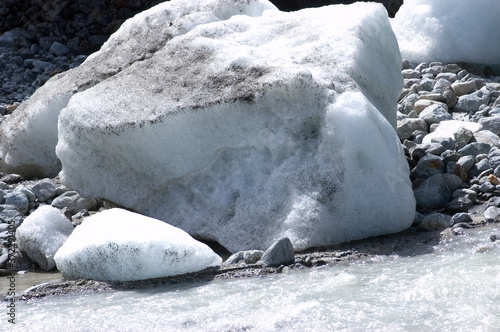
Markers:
<point>280,253</point>
<point>491,123</point>
<point>488,137</point>
<point>44,190</point>
<point>435,114</point>
<point>466,162</point>
<point>472,102</point>
<point>474,149</point>
<point>235,128</point>
<point>42,234</point>
<point>74,202</point>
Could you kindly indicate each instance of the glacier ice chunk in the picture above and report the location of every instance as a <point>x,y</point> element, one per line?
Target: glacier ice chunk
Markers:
<point>42,233</point>
<point>28,137</point>
<point>448,31</point>
<point>120,245</point>
<point>235,122</point>
<point>251,129</point>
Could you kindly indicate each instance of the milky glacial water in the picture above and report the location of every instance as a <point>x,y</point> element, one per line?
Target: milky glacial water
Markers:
<point>454,288</point>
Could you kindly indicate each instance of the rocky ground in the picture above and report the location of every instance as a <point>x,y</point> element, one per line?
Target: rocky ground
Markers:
<point>453,173</point>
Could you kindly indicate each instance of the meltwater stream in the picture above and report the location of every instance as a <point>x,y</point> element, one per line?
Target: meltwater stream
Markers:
<point>454,288</point>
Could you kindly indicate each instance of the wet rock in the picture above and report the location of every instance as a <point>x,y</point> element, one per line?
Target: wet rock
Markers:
<point>492,214</point>
<point>435,221</point>
<point>461,217</point>
<point>470,194</point>
<point>459,204</point>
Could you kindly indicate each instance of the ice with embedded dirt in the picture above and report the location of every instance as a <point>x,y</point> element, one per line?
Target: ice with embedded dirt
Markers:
<point>120,245</point>
<point>236,122</point>
<point>449,31</point>
<point>28,137</point>
<point>248,130</point>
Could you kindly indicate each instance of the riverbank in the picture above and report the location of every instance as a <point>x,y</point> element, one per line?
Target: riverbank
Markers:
<point>411,242</point>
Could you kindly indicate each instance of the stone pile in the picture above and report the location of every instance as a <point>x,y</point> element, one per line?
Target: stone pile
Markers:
<point>39,39</point>
<point>20,198</point>
<point>449,125</point>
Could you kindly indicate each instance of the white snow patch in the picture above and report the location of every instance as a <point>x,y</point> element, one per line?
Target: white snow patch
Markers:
<point>449,31</point>
<point>120,245</point>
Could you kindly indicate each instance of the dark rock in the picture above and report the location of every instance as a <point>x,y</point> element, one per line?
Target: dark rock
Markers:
<point>432,193</point>
<point>11,178</point>
<point>470,194</point>
<point>429,165</point>
<point>434,222</point>
<point>59,49</point>
<point>459,204</point>
<point>461,217</point>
